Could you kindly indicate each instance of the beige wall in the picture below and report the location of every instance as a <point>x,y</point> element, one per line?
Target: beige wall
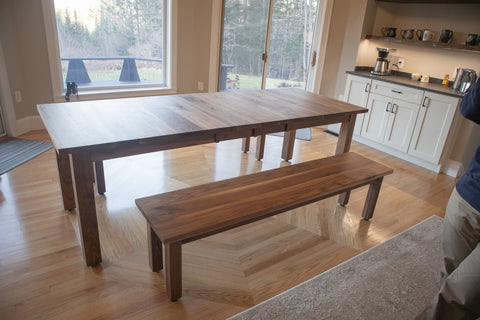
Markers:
<point>25,53</point>
<point>343,38</point>
<point>194,22</point>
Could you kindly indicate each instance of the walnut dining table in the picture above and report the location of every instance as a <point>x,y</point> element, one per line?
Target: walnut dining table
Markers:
<point>87,132</point>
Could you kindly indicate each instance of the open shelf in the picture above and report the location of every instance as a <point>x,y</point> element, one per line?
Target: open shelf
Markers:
<point>427,44</point>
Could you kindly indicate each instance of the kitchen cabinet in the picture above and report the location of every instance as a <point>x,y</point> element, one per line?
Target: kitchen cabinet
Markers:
<point>356,92</point>
<point>410,122</point>
<point>390,121</point>
<point>433,125</point>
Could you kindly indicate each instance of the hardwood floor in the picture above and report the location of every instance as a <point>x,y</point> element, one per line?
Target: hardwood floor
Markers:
<point>42,275</point>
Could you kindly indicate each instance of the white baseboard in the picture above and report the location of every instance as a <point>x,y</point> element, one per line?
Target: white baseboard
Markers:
<point>27,124</point>
<point>453,168</point>
<point>449,167</point>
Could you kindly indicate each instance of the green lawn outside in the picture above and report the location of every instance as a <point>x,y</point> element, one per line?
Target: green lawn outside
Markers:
<point>150,74</point>
<point>254,82</point>
<point>146,74</point>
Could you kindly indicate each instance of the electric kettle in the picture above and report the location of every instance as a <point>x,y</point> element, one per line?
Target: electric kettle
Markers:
<point>464,79</point>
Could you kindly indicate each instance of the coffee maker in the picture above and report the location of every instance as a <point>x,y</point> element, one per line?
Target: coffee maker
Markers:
<point>382,67</point>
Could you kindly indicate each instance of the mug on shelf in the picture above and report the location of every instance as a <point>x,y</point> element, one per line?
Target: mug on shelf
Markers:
<point>419,33</point>
<point>389,32</point>
<point>407,34</point>
<point>446,36</point>
<point>428,35</point>
<point>472,39</point>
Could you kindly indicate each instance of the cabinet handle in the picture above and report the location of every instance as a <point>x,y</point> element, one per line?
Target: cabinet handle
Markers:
<point>396,91</point>
<point>366,87</point>
<point>388,106</point>
<point>424,104</point>
<point>394,110</point>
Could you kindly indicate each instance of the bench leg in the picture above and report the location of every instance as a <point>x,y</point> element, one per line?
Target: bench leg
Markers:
<point>260,147</point>
<point>173,270</point>
<point>100,177</point>
<point>154,250</point>
<point>372,196</point>
<point>288,144</point>
<point>246,144</point>
<point>343,198</point>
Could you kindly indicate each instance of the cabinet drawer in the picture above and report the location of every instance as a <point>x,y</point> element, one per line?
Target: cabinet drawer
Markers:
<point>397,91</point>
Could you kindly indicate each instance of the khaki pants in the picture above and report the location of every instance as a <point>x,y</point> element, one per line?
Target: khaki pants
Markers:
<point>459,295</point>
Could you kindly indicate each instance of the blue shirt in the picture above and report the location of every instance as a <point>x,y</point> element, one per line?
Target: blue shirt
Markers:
<point>469,184</point>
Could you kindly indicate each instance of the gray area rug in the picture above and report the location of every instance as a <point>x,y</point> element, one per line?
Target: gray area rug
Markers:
<point>393,280</point>
<point>14,152</point>
<point>304,134</point>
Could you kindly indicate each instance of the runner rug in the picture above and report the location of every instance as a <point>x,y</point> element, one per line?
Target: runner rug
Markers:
<point>393,280</point>
<point>14,152</point>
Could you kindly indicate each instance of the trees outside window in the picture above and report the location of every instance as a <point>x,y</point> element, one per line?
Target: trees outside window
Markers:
<point>113,43</point>
<point>281,36</point>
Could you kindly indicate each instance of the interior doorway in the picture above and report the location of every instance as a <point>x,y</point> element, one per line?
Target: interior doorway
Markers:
<point>267,43</point>
<point>2,124</point>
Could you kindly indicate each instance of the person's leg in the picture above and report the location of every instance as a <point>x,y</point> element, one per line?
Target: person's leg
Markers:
<point>459,296</point>
<point>461,231</point>
<point>461,236</point>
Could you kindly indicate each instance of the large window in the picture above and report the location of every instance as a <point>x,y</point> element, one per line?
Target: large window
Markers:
<point>110,45</point>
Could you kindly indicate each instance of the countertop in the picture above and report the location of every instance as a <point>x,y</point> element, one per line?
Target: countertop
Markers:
<point>404,79</point>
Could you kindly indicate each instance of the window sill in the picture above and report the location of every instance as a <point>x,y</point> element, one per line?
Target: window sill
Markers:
<point>86,95</point>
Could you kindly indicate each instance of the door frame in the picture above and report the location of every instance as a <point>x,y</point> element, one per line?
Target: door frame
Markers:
<point>322,28</point>
<point>6,101</point>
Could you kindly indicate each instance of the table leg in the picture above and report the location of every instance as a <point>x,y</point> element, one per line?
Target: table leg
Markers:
<point>246,144</point>
<point>86,211</point>
<point>260,147</point>
<point>66,183</point>
<point>345,135</point>
<point>288,144</point>
<point>100,177</point>
<point>343,145</point>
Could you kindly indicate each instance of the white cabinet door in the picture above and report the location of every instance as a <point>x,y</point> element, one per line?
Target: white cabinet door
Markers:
<point>390,121</point>
<point>400,124</point>
<point>433,125</point>
<point>356,92</point>
<point>376,119</point>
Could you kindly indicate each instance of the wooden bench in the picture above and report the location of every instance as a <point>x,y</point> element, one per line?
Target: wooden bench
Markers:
<point>185,215</point>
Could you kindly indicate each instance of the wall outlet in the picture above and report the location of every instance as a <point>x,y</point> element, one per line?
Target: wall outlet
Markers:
<point>401,63</point>
<point>18,96</point>
<point>200,85</point>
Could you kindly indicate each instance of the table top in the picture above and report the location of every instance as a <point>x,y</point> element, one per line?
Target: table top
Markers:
<point>203,117</point>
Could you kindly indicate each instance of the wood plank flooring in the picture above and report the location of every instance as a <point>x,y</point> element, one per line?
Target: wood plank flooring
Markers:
<point>42,275</point>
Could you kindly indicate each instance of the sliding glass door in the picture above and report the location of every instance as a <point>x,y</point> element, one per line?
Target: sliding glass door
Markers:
<point>266,43</point>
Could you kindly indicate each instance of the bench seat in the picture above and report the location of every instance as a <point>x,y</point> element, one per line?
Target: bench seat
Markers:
<point>185,215</point>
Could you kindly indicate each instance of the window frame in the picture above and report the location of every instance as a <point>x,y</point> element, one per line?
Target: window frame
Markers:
<point>135,90</point>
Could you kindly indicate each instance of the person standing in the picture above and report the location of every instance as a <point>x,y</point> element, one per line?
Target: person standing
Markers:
<point>459,294</point>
